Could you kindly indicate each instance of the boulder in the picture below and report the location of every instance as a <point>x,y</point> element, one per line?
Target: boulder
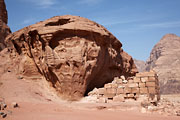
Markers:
<point>73,53</point>
<point>3,115</point>
<point>14,104</point>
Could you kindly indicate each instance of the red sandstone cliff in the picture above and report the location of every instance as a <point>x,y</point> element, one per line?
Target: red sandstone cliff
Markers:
<point>73,53</point>
<point>4,29</point>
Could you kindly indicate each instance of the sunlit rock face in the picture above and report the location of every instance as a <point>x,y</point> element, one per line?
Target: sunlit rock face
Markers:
<point>73,53</point>
<point>4,29</point>
<point>165,60</point>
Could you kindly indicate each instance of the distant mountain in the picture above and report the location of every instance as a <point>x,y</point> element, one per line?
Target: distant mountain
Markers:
<point>140,65</point>
<point>165,60</point>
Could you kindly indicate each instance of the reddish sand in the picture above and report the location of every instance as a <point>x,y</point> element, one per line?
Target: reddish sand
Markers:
<point>52,111</point>
<point>37,102</point>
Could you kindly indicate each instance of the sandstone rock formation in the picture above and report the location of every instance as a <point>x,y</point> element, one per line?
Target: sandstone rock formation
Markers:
<point>141,65</point>
<point>4,29</point>
<point>73,53</point>
<point>165,60</point>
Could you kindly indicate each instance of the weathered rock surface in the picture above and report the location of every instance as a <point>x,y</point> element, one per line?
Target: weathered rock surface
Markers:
<point>3,12</point>
<point>73,53</point>
<point>141,65</point>
<point>165,60</point>
<point>4,29</point>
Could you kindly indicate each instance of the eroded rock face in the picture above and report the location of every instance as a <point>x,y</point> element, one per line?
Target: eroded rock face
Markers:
<point>73,53</point>
<point>3,12</point>
<point>4,29</point>
<point>165,60</point>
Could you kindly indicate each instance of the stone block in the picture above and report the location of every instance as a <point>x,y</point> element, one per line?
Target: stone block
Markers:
<point>142,97</point>
<point>125,81</point>
<point>130,81</point>
<point>144,90</point>
<point>109,85</point>
<point>101,91</point>
<point>141,85</point>
<point>130,95</point>
<point>135,90</point>
<point>153,97</point>
<point>113,85</point>
<point>152,90</point>
<point>122,86</point>
<point>110,101</point>
<point>110,92</point>
<point>127,90</point>
<point>145,74</point>
<point>131,85</point>
<point>116,78</point>
<point>102,100</point>
<point>120,91</point>
<point>152,79</point>
<point>99,96</point>
<point>130,78</point>
<point>119,81</point>
<point>122,77</point>
<point>150,84</point>
<point>144,79</point>
<point>137,79</point>
<point>118,98</point>
<point>108,95</point>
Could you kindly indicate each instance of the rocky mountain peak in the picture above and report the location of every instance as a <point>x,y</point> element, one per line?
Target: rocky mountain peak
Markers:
<point>165,60</point>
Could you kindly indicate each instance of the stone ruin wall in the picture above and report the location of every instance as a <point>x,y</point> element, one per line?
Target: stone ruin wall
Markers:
<point>143,86</point>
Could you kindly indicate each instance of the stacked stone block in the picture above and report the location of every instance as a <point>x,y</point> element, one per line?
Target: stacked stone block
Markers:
<point>142,85</point>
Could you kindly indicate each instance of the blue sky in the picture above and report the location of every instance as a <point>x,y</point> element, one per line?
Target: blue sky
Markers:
<point>138,24</point>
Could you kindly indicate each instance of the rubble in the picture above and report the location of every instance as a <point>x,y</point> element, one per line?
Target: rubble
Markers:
<point>163,107</point>
<point>14,105</point>
<point>5,109</point>
<point>143,86</point>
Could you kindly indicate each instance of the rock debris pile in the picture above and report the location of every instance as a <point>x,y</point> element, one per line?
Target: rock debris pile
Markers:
<point>5,109</point>
<point>163,107</point>
<point>143,86</point>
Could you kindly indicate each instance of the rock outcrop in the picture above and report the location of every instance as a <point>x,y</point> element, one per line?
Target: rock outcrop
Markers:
<point>165,60</point>
<point>73,53</point>
<point>141,65</point>
<point>4,29</point>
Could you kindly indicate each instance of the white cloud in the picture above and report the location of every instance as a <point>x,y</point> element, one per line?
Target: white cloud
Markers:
<point>110,21</point>
<point>89,2</point>
<point>162,25</point>
<point>122,22</point>
<point>42,3</point>
<point>28,21</point>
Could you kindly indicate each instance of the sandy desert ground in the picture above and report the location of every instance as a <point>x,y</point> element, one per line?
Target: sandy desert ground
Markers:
<point>37,102</point>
